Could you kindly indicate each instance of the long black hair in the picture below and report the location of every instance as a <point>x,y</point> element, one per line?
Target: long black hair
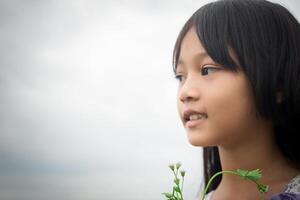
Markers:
<point>265,38</point>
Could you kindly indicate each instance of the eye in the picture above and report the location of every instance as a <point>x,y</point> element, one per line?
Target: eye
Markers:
<point>208,70</point>
<point>179,77</point>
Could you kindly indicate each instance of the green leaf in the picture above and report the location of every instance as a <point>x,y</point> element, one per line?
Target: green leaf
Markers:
<point>176,188</point>
<point>168,195</point>
<point>241,172</point>
<point>253,175</point>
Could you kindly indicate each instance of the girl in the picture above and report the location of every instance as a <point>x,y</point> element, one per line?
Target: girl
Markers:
<point>238,67</point>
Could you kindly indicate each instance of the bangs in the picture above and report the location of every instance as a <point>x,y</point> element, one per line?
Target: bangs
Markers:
<point>212,25</point>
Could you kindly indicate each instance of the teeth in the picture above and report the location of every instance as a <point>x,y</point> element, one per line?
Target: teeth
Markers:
<point>196,116</point>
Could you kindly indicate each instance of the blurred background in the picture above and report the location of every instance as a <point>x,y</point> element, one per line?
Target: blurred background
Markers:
<point>88,100</point>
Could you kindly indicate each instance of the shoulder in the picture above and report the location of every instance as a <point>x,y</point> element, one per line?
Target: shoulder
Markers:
<point>291,191</point>
<point>286,196</point>
<point>294,185</point>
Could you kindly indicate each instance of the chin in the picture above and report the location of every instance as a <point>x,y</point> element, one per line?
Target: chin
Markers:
<point>199,142</point>
<point>196,144</point>
<point>195,141</point>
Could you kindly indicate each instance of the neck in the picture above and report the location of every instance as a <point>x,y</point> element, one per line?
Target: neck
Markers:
<point>260,152</point>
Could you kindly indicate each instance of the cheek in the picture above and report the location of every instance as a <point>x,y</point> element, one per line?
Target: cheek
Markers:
<point>231,111</point>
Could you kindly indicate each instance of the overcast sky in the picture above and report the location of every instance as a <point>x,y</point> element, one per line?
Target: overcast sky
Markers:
<point>88,100</point>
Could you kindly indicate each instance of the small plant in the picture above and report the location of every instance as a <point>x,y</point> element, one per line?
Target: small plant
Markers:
<point>177,193</point>
<point>177,190</point>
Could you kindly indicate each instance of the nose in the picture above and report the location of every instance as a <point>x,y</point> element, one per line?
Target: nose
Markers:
<point>188,91</point>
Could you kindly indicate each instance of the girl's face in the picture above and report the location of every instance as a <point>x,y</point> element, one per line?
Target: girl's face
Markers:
<point>223,98</point>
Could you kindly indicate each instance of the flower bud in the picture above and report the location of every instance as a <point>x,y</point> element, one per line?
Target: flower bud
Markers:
<point>262,188</point>
<point>178,165</point>
<point>182,173</point>
<point>171,166</point>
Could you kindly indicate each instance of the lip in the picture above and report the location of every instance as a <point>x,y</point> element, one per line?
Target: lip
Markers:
<point>191,124</point>
<point>195,123</point>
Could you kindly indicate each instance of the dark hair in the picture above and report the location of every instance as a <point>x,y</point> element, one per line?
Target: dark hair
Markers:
<point>265,39</point>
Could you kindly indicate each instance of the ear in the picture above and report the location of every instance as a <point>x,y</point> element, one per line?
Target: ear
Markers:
<point>279,97</point>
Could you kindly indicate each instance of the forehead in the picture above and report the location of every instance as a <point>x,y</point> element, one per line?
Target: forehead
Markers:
<point>191,43</point>
<point>191,48</point>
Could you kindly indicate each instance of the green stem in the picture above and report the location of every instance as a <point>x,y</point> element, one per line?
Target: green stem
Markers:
<point>175,174</point>
<point>182,183</point>
<point>176,177</point>
<point>213,177</point>
<point>181,188</point>
<point>181,195</point>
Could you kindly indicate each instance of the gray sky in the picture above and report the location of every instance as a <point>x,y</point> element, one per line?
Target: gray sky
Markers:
<point>88,100</point>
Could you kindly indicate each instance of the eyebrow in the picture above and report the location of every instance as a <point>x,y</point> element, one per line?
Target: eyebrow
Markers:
<point>198,56</point>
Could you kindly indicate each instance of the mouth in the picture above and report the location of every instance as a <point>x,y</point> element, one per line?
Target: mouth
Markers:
<point>193,118</point>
